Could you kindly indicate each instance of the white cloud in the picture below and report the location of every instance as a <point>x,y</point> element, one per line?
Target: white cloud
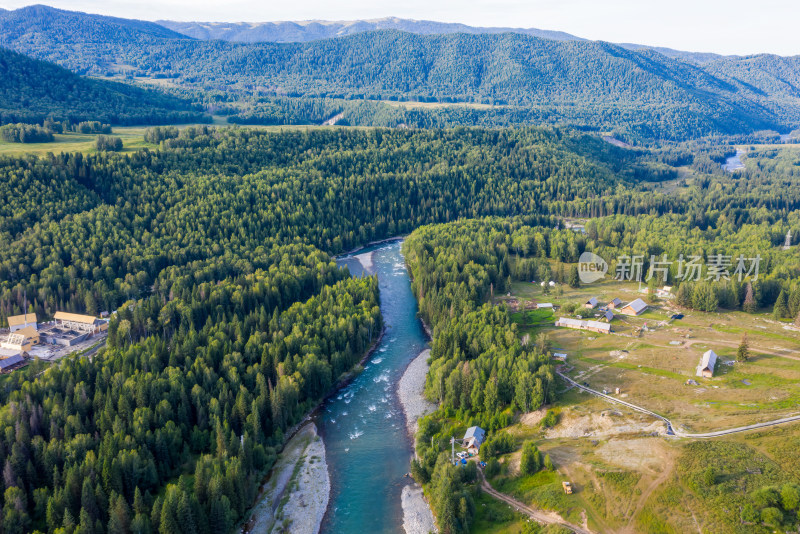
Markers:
<point>729,26</point>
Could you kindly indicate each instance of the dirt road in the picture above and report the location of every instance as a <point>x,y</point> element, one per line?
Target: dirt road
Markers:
<point>671,430</point>
<point>540,516</point>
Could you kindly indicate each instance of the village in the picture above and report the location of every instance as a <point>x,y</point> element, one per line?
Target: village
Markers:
<point>27,339</point>
<point>677,362</point>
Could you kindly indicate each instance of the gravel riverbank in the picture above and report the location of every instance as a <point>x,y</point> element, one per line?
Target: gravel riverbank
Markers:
<point>295,497</point>
<point>410,389</point>
<point>417,515</point>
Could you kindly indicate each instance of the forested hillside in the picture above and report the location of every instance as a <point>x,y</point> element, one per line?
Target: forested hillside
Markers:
<point>31,91</point>
<point>128,218</point>
<point>641,91</point>
<point>232,320</point>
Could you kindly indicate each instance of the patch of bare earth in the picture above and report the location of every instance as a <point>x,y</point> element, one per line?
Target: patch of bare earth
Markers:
<point>604,424</point>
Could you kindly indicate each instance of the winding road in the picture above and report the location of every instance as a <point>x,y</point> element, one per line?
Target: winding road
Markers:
<point>671,430</point>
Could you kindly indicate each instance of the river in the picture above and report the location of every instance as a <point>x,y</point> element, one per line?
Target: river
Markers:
<point>734,163</point>
<point>367,446</point>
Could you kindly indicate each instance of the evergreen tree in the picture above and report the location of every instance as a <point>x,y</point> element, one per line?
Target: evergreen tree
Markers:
<point>781,309</point>
<point>749,305</point>
<point>743,353</point>
<point>574,277</point>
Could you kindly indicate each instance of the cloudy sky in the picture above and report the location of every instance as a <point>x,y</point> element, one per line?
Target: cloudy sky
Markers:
<point>722,26</point>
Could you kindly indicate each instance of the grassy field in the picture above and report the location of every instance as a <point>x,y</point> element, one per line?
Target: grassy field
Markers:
<point>651,358</point>
<point>132,139</point>
<point>628,476</point>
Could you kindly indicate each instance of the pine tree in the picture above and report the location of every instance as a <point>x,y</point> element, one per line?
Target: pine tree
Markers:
<point>749,305</point>
<point>781,309</point>
<point>574,278</point>
<point>119,516</point>
<point>794,301</point>
<point>743,354</point>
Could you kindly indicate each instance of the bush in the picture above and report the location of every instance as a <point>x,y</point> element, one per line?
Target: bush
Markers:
<point>772,517</point>
<point>500,443</point>
<point>492,468</point>
<point>569,307</point>
<point>550,420</point>
<point>25,133</point>
<point>108,143</point>
<point>531,460</point>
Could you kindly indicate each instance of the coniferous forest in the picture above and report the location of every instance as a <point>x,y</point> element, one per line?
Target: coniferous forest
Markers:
<point>233,321</point>
<point>213,248</point>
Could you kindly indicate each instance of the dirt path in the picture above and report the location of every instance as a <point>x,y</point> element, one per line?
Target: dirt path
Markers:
<point>660,479</point>
<point>540,516</point>
<point>671,430</point>
<point>774,351</point>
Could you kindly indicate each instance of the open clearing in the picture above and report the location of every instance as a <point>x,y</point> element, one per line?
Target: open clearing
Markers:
<point>628,475</point>
<point>651,358</point>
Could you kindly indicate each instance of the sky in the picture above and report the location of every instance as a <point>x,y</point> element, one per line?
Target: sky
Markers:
<point>721,26</point>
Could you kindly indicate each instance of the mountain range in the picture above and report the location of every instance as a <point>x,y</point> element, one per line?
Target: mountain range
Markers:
<point>314,30</point>
<point>641,89</point>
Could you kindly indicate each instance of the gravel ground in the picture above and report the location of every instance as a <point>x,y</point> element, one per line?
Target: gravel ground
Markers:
<point>308,489</point>
<point>308,501</point>
<point>417,515</point>
<point>410,391</point>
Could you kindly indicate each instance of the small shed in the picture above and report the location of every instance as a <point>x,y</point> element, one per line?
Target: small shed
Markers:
<point>608,315</point>
<point>473,438</point>
<point>544,305</point>
<point>591,303</point>
<point>707,364</point>
<point>635,307</point>
<point>664,292</point>
<point>616,303</point>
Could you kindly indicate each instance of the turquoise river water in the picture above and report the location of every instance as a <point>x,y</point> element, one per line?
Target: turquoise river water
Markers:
<point>366,443</point>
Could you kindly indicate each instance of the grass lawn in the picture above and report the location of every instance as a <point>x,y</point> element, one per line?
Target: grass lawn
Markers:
<point>496,517</point>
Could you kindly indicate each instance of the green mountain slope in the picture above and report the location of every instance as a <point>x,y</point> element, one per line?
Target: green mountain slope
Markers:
<point>642,91</point>
<point>32,90</point>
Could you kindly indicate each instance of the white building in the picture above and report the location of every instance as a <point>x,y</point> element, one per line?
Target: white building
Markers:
<point>707,363</point>
<point>577,324</point>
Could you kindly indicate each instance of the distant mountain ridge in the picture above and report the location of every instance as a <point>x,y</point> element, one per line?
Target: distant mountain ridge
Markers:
<point>563,81</point>
<point>313,30</point>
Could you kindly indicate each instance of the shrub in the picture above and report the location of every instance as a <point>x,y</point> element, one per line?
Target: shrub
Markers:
<point>531,460</point>
<point>492,468</point>
<point>550,420</point>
